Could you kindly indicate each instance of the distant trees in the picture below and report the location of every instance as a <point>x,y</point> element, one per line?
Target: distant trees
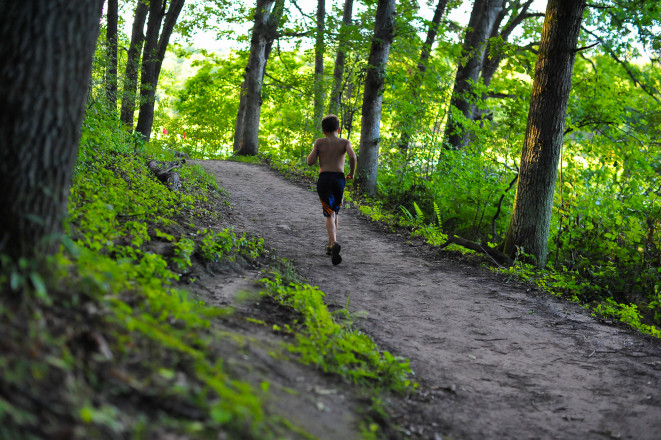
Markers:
<point>266,22</point>
<point>47,50</point>
<point>368,159</point>
<point>130,85</point>
<point>111,41</point>
<point>163,16</point>
<point>152,58</point>
<point>533,204</point>
<point>480,27</point>
<point>319,92</point>
<point>418,76</point>
<point>340,59</point>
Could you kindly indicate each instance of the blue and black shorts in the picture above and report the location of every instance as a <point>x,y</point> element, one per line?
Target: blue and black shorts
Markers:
<point>330,188</point>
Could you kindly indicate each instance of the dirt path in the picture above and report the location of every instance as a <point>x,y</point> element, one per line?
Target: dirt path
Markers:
<point>494,361</point>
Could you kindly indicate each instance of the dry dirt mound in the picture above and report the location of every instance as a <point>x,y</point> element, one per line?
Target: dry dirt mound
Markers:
<point>494,361</point>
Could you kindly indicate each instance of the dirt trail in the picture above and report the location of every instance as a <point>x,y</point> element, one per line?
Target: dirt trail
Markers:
<point>495,361</point>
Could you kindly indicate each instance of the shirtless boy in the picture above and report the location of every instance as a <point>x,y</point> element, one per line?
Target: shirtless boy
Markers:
<point>331,150</point>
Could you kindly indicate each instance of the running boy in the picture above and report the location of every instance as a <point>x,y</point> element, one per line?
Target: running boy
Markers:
<point>331,150</point>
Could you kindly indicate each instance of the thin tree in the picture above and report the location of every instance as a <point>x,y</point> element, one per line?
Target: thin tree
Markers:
<point>419,75</point>
<point>368,158</point>
<point>340,59</point>
<point>493,58</point>
<point>130,84</point>
<point>533,203</point>
<point>272,24</point>
<point>266,21</point>
<point>462,103</point>
<point>152,58</point>
<point>111,42</point>
<point>319,95</point>
<point>46,52</point>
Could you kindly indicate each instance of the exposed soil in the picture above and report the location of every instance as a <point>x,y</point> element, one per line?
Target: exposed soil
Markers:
<point>495,360</point>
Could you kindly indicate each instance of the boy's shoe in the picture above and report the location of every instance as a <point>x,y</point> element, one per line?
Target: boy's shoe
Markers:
<point>335,254</point>
<point>329,249</point>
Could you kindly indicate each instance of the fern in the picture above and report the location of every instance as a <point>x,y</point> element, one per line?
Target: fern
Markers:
<point>437,211</point>
<point>418,212</point>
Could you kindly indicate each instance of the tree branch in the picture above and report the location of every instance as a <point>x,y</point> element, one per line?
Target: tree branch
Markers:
<point>500,203</point>
<point>587,47</point>
<point>625,65</point>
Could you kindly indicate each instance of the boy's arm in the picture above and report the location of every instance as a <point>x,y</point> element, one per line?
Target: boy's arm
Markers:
<point>314,154</point>
<point>352,161</point>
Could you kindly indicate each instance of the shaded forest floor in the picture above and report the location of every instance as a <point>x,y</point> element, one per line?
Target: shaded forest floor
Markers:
<point>493,359</point>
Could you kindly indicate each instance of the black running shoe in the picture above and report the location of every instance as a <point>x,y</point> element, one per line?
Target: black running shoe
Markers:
<point>329,249</point>
<point>335,252</point>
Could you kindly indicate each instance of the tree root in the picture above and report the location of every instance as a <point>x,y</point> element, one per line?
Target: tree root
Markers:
<point>165,174</point>
<point>498,257</point>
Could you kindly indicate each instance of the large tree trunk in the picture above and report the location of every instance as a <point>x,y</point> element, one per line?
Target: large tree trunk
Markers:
<point>340,59</point>
<point>418,77</point>
<point>152,60</point>
<point>368,158</point>
<point>480,27</point>
<point>248,120</point>
<point>533,203</point>
<point>46,54</point>
<point>111,41</point>
<point>319,95</point>
<point>133,64</point>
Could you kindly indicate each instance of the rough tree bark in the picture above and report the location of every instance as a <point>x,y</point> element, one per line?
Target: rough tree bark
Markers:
<point>368,159</point>
<point>152,59</point>
<point>111,41</point>
<point>340,59</point>
<point>46,53</point>
<point>246,135</point>
<point>130,84</point>
<point>418,77</point>
<point>533,203</point>
<point>480,26</point>
<point>319,95</point>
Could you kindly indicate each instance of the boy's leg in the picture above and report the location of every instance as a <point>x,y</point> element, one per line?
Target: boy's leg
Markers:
<point>331,227</point>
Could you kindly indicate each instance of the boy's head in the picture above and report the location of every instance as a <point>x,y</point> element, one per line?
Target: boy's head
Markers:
<point>330,124</point>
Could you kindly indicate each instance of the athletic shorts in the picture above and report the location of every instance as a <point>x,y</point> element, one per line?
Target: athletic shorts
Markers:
<point>330,188</point>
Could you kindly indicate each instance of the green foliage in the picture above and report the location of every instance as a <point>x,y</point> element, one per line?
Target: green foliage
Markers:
<point>334,346</point>
<point>100,328</point>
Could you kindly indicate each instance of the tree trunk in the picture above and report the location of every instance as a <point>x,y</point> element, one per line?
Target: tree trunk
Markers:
<point>338,72</point>
<point>133,64</point>
<point>319,95</point>
<point>46,53</point>
<point>418,77</point>
<point>533,203</point>
<point>368,158</point>
<point>152,60</point>
<point>480,26</point>
<point>248,121</point>
<point>238,126</point>
<point>492,60</point>
<point>111,41</point>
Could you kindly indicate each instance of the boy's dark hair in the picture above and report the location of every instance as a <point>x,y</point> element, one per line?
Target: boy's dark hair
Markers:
<point>330,124</point>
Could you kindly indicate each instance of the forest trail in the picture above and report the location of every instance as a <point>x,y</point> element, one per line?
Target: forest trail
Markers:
<point>494,361</point>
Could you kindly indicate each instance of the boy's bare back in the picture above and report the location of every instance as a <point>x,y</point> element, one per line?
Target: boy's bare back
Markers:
<point>331,151</point>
